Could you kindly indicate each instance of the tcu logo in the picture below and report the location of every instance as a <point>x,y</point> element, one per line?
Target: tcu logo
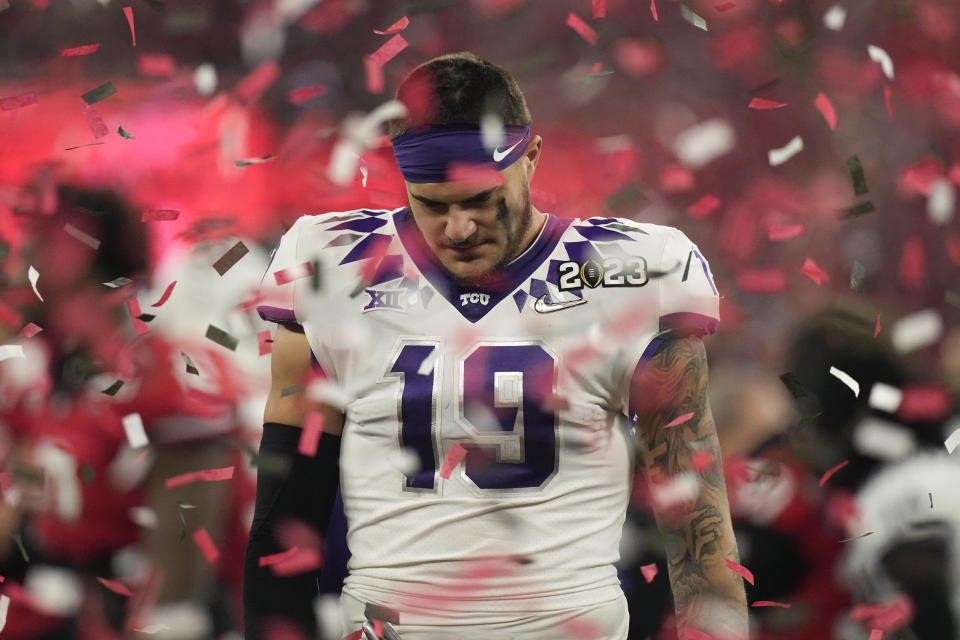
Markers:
<point>384,300</point>
<point>474,298</point>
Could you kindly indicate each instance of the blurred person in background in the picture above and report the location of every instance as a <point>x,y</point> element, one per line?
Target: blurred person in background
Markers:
<point>892,485</point>
<point>101,412</point>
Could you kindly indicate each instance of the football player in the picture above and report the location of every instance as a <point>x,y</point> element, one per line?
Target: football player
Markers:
<point>484,371</point>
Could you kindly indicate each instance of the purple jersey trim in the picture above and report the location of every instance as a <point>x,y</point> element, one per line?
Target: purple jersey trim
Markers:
<point>686,322</point>
<point>276,314</point>
<point>511,277</point>
<point>703,263</point>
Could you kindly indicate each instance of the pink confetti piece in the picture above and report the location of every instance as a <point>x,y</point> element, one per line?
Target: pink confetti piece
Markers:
<point>924,402</point>
<point>679,420</point>
<point>301,95</point>
<point>301,561</point>
<point>204,475</point>
<point>128,12</point>
<point>726,6</point>
<point>83,50</point>
<point>209,550</point>
<point>155,215</point>
<point>701,460</point>
<point>264,342</point>
<point>156,65</point>
<point>771,603</point>
<point>876,330</point>
<point>876,634</point>
<point>396,27</point>
<point>166,295</point>
<point>762,280</point>
<point>649,572</point>
<point>704,206</point>
<point>745,573</point>
<point>275,558</point>
<point>29,330</point>
<point>283,276</point>
<point>15,102</point>
<point>829,474</point>
<point>257,81</point>
<point>586,32</point>
<point>117,587</point>
<point>95,121</point>
<point>913,262</point>
<point>599,9</point>
<point>373,74</point>
<point>138,325</point>
<point>786,231</point>
<point>388,50</point>
<point>597,66</point>
<point>825,107</point>
<point>451,460</point>
<point>810,269</point>
<point>653,11</point>
<point>310,434</point>
<point>378,628</point>
<point>886,99</point>
<point>761,104</point>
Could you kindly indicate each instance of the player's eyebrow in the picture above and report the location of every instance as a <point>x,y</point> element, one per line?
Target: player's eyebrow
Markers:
<point>483,195</point>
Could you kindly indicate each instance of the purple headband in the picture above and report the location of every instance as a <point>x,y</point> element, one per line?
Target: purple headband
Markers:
<point>426,154</point>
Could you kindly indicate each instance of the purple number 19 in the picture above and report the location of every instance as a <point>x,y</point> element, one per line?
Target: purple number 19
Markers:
<point>502,390</point>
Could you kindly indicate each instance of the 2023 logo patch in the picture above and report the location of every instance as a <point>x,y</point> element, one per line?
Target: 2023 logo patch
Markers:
<point>628,271</point>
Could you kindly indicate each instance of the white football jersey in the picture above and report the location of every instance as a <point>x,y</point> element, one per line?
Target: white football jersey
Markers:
<point>487,451</point>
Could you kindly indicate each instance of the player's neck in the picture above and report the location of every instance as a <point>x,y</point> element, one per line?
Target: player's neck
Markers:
<point>537,220</point>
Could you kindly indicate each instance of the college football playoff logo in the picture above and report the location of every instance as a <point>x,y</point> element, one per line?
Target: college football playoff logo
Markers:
<point>630,271</point>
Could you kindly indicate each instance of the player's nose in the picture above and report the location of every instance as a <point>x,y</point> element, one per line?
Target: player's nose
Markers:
<point>460,225</point>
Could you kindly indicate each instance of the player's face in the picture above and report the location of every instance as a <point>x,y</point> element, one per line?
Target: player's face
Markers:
<point>475,228</point>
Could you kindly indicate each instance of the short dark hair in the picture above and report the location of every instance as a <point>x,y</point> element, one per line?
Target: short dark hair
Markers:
<point>459,88</point>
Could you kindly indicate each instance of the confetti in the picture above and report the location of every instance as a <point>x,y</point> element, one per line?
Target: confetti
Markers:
<point>204,475</point>
<point>885,397</point>
<point>829,474</point>
<point>116,283</point>
<point>283,276</point>
<point>952,441</point>
<point>205,543</point>
<point>123,133</point>
<point>165,296</point>
<point>396,27</point>
<point>886,99</point>
<point>257,81</point>
<point>585,31</point>
<point>599,9</point>
<point>133,427</point>
<point>917,330</point>
<point>835,17</point>
<point>230,258</point>
<point>83,50</point>
<point>95,121</point>
<point>876,634</point>
<point>264,342</point>
<point>701,460</point>
<point>15,102</point>
<point>452,459</point>
<point>846,379</point>
<point>157,65</point>
<point>876,330</point>
<point>761,104</point>
<point>33,275</point>
<point>857,176</point>
<point>776,157</point>
<point>704,142</point>
<point>942,201</point>
<point>301,95</point>
<point>880,56</point>
<point>373,75</point>
<point>858,210</point>
<point>738,568</point>
<point>128,12</point>
<point>154,215</point>
<point>251,161</point>
<point>649,572</point>
<point>770,603</point>
<point>85,238</point>
<point>275,558</point>
<point>810,269</point>
<point>310,435</point>
<point>8,351</point>
<point>102,92</point>
<point>762,280</point>
<point>117,587</point>
<point>704,206</point>
<point>4,607</point>
<point>924,402</point>
<point>679,420</point>
<point>29,330</point>
<point>388,50</point>
<point>92,144</point>
<point>221,337</point>
<point>785,231</point>
<point>653,11</point>
<point>688,14</point>
<point>825,107</point>
<point>113,388</point>
<point>858,274</point>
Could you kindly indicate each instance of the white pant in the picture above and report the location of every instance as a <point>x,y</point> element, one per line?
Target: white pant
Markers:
<point>604,621</point>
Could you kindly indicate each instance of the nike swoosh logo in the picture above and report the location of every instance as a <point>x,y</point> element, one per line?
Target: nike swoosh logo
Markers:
<point>500,155</point>
<point>544,305</point>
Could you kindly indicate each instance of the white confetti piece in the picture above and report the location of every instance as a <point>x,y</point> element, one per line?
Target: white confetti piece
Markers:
<point>359,134</point>
<point>116,283</point>
<point>8,351</point>
<point>941,202</point>
<point>55,590</point>
<point>692,17</point>
<point>491,131</point>
<point>85,238</point>
<point>879,55</point>
<point>205,79</point>
<point>883,440</point>
<point>846,379</point>
<point>704,142</point>
<point>133,427</point>
<point>885,397</point>
<point>917,330</point>
<point>784,153</point>
<point>679,489</point>
<point>952,441</point>
<point>4,607</point>
<point>429,362</point>
<point>153,629</point>
<point>144,516</point>
<point>33,275</point>
<point>835,18</point>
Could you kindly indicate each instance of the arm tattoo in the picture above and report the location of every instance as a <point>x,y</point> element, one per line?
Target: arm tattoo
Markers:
<point>698,534</point>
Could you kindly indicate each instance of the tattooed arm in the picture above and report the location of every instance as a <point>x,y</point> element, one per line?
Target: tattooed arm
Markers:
<point>696,528</point>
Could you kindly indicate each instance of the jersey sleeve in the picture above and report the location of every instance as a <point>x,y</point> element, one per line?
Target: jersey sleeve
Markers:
<point>283,278</point>
<point>688,299</point>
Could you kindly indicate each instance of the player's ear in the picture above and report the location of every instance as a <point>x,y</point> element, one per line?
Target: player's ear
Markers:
<point>532,156</point>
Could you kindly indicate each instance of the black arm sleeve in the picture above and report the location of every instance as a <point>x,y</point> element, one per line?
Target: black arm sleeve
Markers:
<point>290,485</point>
